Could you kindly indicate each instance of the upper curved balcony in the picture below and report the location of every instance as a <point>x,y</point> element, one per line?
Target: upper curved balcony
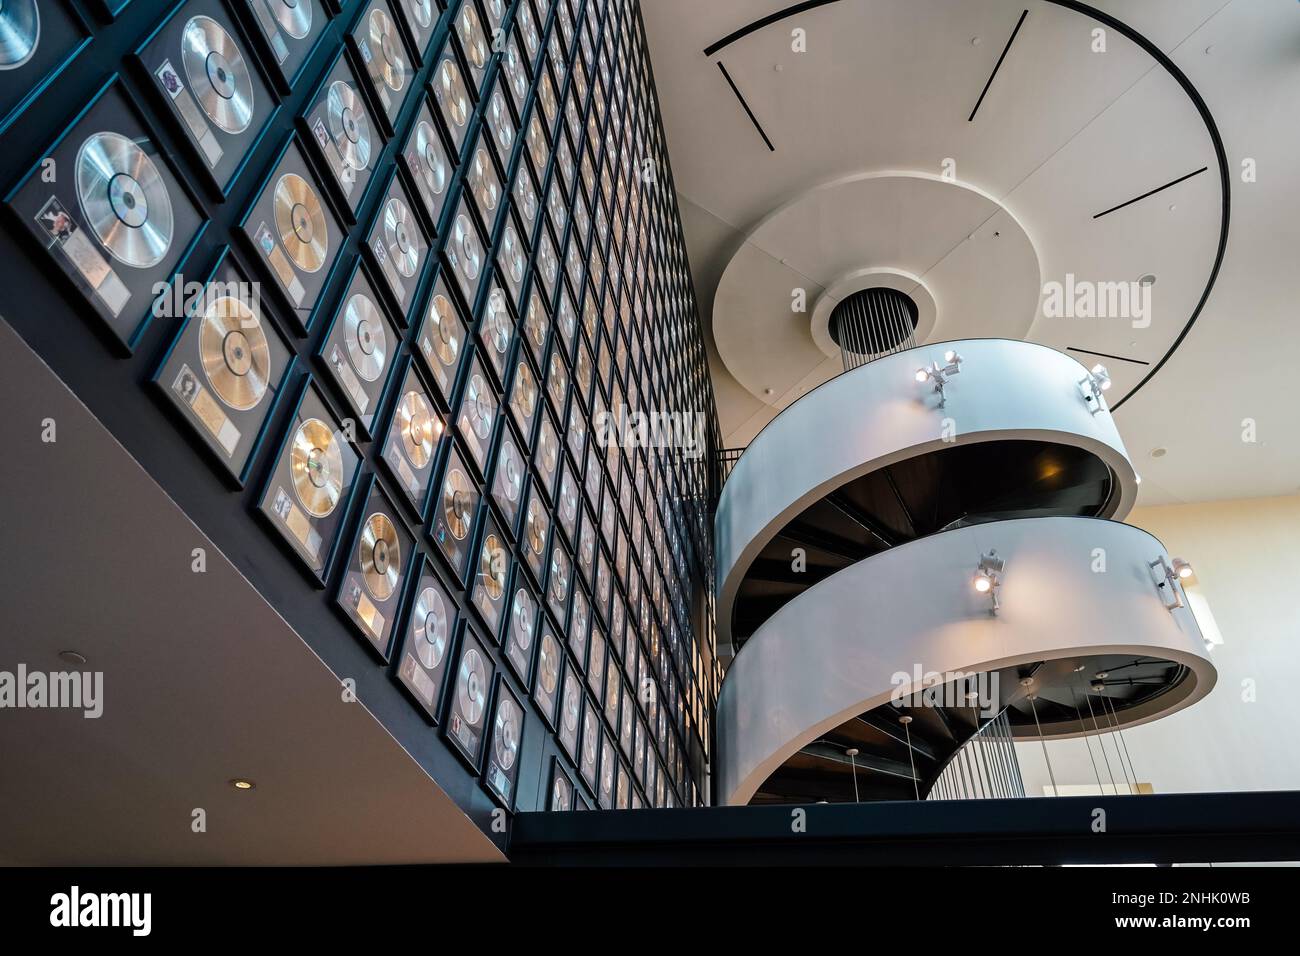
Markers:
<point>874,458</point>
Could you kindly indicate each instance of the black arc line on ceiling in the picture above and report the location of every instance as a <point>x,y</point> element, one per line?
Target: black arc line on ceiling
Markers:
<point>997,66</point>
<point>750,113</point>
<point>1170,67</point>
<point>1117,358</point>
<point>1152,192</point>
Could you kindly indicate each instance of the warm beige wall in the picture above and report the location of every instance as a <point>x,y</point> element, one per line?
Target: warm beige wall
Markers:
<point>1246,555</point>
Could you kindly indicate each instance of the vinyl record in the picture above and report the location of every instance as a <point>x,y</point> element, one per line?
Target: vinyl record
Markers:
<point>381,556</point>
<point>293,16</point>
<point>433,161</point>
<point>349,124</point>
<point>451,91</point>
<point>217,74</point>
<point>446,340</point>
<point>512,253</point>
<point>317,466</point>
<point>300,219</point>
<point>418,427</point>
<point>471,687</point>
<point>480,406</point>
<point>505,734</point>
<point>589,744</point>
<point>429,627</point>
<point>521,619</point>
<point>391,61</point>
<point>124,199</point>
<point>491,567</point>
<point>483,183</point>
<point>548,667</point>
<point>525,390</point>
<point>364,336</point>
<point>398,238</point>
<point>234,353</point>
<point>473,39</point>
<point>457,503</point>
<point>548,450</point>
<point>20,32</point>
<point>512,471</point>
<point>496,323</point>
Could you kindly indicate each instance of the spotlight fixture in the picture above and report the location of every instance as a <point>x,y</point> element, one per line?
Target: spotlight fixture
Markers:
<point>1167,576</point>
<point>939,374</point>
<point>241,784</point>
<point>1092,385</point>
<point>988,576</point>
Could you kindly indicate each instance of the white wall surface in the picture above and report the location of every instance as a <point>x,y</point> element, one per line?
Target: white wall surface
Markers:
<point>1246,555</point>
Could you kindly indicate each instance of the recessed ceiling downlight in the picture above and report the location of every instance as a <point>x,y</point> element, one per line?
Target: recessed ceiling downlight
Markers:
<point>1159,452</point>
<point>239,783</point>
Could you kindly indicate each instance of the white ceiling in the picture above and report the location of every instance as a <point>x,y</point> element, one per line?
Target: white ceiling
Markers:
<point>203,682</point>
<point>1063,133</point>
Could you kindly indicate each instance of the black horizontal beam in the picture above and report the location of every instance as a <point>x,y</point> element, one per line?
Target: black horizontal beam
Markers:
<point>1163,828</point>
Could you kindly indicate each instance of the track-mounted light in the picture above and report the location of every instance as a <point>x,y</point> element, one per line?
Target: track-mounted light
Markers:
<point>1167,577</point>
<point>939,374</point>
<point>988,576</point>
<point>1092,385</point>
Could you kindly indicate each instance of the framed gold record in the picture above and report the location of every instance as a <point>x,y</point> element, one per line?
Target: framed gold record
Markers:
<point>414,440</point>
<point>492,570</point>
<point>388,64</point>
<point>225,368</point>
<point>440,339</point>
<point>307,491</point>
<point>382,549</point>
<point>547,677</point>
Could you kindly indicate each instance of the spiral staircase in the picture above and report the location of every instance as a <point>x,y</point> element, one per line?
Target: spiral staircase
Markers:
<point>927,548</point>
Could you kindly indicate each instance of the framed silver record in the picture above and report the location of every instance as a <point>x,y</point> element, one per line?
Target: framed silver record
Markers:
<point>546,678</point>
<point>452,94</point>
<point>608,772</point>
<point>199,66</point>
<point>226,367</point>
<point>520,634</point>
<point>467,708</point>
<point>465,252</point>
<point>503,751</point>
<point>288,30</point>
<point>345,133</point>
<point>454,513</point>
<point>414,440</point>
<point>398,245</point>
<point>579,629</point>
<point>483,183</point>
<point>559,579</point>
<point>38,39</point>
<point>420,19</point>
<point>441,338</point>
<point>370,590</point>
<point>477,415</point>
<point>534,533</point>
<point>589,759</point>
<point>430,164</point>
<point>501,123</point>
<point>360,349</point>
<point>295,232</point>
<point>496,329</point>
<point>512,260</point>
<point>570,716</point>
<point>426,645</point>
<point>596,658</point>
<point>490,592</point>
<point>537,326</point>
<point>525,201</point>
<point>308,489</point>
<point>561,792</point>
<point>117,221</point>
<point>547,455</point>
<point>508,473</point>
<point>387,62</point>
<point>474,43</point>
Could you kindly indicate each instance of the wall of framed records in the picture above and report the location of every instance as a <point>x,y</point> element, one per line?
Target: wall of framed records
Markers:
<point>368,286</point>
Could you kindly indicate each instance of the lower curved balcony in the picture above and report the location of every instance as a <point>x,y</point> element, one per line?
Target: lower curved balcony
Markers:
<point>900,659</point>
